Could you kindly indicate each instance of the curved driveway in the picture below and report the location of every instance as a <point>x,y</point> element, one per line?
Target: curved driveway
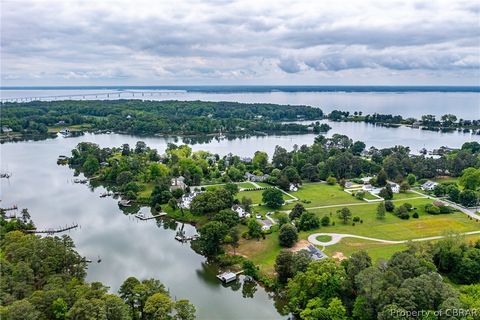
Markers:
<point>337,237</point>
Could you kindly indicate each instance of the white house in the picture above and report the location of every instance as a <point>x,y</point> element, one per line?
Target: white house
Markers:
<point>187,199</point>
<point>293,187</point>
<point>395,187</point>
<point>240,211</point>
<point>255,178</point>
<point>429,185</point>
<point>366,180</point>
<point>178,183</point>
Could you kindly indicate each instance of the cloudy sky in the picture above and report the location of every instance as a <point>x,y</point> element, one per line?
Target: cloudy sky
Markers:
<point>295,42</point>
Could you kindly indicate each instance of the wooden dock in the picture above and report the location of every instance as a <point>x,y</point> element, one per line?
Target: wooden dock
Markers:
<point>145,218</point>
<point>53,231</point>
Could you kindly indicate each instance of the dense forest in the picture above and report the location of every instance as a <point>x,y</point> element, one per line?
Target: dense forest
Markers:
<point>157,117</point>
<point>44,278</point>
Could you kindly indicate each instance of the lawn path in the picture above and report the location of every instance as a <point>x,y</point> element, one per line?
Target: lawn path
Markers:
<point>358,204</point>
<point>337,237</point>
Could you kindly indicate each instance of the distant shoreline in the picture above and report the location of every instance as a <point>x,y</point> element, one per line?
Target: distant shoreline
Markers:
<point>263,88</point>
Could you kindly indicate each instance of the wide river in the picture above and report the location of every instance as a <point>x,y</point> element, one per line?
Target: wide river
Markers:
<point>464,105</point>
<point>128,247</point>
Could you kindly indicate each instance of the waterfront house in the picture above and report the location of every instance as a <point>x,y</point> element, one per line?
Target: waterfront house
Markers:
<point>429,185</point>
<point>6,129</point>
<point>178,183</point>
<point>255,178</point>
<point>187,199</point>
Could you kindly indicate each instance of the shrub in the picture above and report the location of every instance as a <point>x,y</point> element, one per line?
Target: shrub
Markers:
<point>356,219</point>
<point>389,206</point>
<point>331,180</point>
<point>325,221</point>
<point>360,195</point>
<point>431,209</point>
<point>415,215</point>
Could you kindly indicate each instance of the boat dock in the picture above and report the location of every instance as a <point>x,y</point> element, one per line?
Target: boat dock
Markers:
<point>14,207</point>
<point>184,238</point>
<point>53,231</point>
<point>227,277</point>
<point>143,217</point>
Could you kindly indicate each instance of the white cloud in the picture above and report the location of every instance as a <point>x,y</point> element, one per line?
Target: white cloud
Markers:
<point>288,42</point>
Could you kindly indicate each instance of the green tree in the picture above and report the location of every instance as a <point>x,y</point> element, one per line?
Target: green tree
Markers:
<point>411,179</point>
<point>184,310</point>
<point>232,188</point>
<point>272,198</point>
<point>115,308</point>
<point>91,165</point>
<point>59,308</point>
<point>297,211</point>
<point>288,235</point>
<point>212,235</point>
<point>260,160</point>
<point>468,198</point>
<point>284,266</point>
<point>21,310</point>
<point>158,306</point>
<point>382,178</point>
<point>323,279</point>
<point>381,211</point>
<point>344,214</point>
<point>254,228</point>
<point>228,217</point>
<point>246,203</point>
<point>470,178</point>
<point>88,309</point>
<point>308,221</point>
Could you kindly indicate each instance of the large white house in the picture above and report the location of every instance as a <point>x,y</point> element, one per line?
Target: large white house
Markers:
<point>429,185</point>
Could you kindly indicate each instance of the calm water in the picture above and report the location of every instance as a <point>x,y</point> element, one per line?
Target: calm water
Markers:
<point>126,246</point>
<point>465,105</point>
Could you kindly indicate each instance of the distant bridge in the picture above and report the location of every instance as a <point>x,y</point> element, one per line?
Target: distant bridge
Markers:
<point>124,94</point>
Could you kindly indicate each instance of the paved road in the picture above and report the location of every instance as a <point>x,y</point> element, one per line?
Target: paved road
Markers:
<point>337,237</point>
<point>468,212</point>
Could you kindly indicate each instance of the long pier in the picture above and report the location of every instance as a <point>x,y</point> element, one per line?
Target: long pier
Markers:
<point>114,95</point>
<point>53,231</point>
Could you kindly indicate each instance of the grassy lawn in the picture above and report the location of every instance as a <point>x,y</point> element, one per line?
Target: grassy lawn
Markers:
<point>76,127</point>
<point>445,179</point>
<point>256,196</point>
<point>392,227</point>
<point>262,252</point>
<point>324,238</point>
<point>321,194</point>
<point>370,196</point>
<point>376,250</point>
<point>245,185</point>
<point>405,195</point>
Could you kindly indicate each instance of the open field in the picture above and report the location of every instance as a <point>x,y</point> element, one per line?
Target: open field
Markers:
<point>256,196</point>
<point>376,250</point>
<point>394,228</point>
<point>262,252</point>
<point>321,194</point>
